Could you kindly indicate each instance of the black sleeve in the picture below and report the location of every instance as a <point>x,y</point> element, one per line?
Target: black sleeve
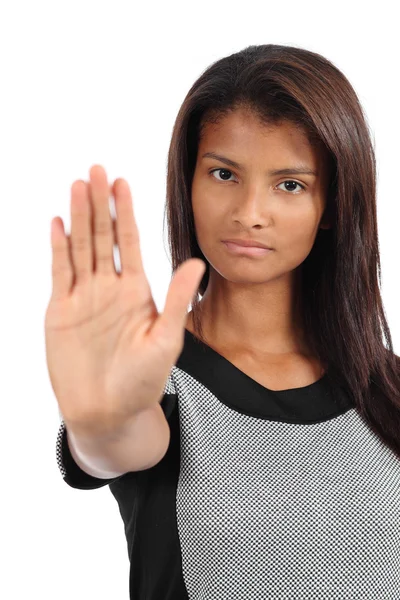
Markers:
<point>70,471</point>
<point>73,475</point>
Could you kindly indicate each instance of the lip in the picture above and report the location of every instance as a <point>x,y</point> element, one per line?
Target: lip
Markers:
<point>246,250</point>
<point>247,243</point>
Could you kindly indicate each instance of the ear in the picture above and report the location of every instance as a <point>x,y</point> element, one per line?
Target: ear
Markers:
<point>325,222</point>
<point>325,225</point>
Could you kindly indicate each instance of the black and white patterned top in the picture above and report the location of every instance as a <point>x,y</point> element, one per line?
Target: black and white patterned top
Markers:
<point>262,495</point>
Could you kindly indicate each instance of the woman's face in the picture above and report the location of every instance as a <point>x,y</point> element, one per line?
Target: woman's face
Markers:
<point>283,212</point>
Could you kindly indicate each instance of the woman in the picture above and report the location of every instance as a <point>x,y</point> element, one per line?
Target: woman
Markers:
<point>278,470</point>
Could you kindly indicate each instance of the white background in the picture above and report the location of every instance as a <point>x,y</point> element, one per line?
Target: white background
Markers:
<point>86,82</point>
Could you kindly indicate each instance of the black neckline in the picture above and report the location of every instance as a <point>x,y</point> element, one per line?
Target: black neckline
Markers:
<point>209,349</point>
<point>319,401</point>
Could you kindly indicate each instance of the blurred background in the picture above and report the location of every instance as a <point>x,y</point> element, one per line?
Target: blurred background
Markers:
<point>96,82</point>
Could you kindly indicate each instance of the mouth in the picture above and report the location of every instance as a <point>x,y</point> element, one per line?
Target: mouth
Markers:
<point>246,250</point>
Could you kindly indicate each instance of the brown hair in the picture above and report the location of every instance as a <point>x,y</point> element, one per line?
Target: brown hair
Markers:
<point>340,294</point>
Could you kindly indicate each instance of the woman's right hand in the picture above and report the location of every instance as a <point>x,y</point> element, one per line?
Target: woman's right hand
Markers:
<point>108,350</point>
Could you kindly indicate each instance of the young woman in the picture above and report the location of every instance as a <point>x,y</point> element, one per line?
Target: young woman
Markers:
<point>252,444</point>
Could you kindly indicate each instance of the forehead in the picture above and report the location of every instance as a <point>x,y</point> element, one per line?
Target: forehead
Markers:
<point>241,128</point>
<point>240,134</point>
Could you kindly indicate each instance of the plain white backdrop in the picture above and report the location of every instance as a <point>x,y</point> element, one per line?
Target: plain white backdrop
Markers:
<point>86,82</point>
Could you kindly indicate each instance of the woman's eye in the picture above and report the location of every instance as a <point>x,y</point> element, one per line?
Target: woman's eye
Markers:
<point>290,190</point>
<point>292,182</point>
<point>226,171</point>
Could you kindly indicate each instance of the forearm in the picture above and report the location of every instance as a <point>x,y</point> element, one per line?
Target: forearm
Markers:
<point>139,445</point>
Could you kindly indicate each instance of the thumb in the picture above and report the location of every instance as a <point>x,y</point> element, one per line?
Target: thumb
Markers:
<point>182,289</point>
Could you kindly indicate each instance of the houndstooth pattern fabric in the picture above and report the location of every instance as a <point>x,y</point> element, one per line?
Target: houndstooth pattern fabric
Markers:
<point>59,456</point>
<point>283,511</point>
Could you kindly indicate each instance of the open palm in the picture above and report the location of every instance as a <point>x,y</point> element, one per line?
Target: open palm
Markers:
<point>109,352</point>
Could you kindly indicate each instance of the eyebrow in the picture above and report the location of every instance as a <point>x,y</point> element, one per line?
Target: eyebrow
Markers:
<point>300,170</point>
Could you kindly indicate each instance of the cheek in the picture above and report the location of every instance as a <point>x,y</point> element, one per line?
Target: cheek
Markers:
<point>203,225</point>
<point>296,241</point>
<point>299,235</point>
<point>207,218</point>
<point>302,225</point>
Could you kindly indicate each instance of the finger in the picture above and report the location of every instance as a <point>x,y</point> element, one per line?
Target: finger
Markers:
<point>80,239</point>
<point>62,271</point>
<point>170,324</point>
<point>127,231</point>
<point>99,192</point>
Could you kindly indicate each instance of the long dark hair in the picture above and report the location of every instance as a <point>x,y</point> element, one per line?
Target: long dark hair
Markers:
<point>340,297</point>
